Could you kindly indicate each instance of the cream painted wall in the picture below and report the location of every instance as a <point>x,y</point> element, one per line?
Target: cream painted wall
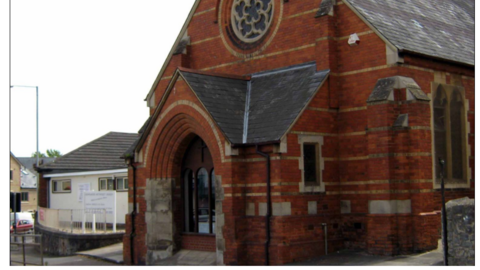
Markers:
<point>71,200</point>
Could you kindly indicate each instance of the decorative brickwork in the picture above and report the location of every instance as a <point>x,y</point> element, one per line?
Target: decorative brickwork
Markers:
<point>372,118</point>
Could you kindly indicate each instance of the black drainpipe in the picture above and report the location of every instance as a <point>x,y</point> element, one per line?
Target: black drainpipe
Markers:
<point>134,211</point>
<point>269,206</point>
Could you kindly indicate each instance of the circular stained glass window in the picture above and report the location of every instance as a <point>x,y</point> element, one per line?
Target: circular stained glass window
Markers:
<point>251,19</point>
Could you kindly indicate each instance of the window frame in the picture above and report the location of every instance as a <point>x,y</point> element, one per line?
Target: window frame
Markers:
<point>27,197</point>
<point>319,185</point>
<point>125,181</point>
<point>62,181</point>
<point>449,91</point>
<point>106,179</point>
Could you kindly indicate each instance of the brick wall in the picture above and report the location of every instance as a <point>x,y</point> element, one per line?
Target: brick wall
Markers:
<point>365,159</point>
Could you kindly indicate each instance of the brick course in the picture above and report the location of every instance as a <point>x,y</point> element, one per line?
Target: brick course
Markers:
<point>365,159</point>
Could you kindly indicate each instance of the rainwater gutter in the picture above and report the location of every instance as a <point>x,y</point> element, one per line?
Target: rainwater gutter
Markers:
<point>269,207</point>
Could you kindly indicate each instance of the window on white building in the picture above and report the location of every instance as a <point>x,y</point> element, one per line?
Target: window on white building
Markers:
<point>62,186</point>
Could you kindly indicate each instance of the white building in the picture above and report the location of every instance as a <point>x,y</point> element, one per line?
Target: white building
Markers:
<point>95,166</point>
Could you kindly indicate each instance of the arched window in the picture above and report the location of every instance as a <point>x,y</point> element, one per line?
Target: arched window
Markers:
<point>198,189</point>
<point>450,143</point>
<point>439,124</point>
<point>212,200</point>
<point>203,199</point>
<point>456,131</point>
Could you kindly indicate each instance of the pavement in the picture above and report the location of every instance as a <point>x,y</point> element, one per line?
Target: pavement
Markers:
<point>352,258</point>
<point>113,255</point>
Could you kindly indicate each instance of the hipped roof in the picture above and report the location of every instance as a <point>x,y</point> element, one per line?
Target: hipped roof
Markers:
<point>103,153</point>
<point>254,109</point>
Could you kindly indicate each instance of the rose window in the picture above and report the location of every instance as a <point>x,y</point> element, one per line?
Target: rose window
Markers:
<point>251,19</point>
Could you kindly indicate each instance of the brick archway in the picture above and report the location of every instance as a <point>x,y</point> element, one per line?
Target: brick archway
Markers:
<point>173,133</point>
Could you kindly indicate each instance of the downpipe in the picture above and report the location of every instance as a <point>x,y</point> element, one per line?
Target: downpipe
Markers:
<point>324,225</point>
<point>134,211</point>
<point>269,206</point>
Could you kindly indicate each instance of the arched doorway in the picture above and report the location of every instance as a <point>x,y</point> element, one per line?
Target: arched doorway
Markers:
<point>198,197</point>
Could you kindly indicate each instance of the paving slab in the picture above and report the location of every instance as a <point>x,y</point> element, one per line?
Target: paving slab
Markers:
<point>112,253</point>
<point>352,258</point>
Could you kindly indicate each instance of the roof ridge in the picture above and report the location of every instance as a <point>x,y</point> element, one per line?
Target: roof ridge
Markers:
<point>69,154</point>
<point>214,74</point>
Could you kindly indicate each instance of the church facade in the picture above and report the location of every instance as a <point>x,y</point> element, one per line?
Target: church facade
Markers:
<point>284,130</point>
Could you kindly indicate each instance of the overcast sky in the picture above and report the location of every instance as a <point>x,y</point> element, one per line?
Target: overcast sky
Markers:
<point>94,62</point>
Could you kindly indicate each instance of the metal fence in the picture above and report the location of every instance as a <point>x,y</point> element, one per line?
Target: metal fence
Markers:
<point>21,246</point>
<point>77,220</point>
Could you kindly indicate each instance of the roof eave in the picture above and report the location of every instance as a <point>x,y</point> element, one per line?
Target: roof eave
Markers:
<point>374,29</point>
<point>437,58</point>
<point>305,107</point>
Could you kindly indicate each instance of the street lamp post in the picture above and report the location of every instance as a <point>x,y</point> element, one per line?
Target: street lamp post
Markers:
<point>38,153</point>
<point>36,88</point>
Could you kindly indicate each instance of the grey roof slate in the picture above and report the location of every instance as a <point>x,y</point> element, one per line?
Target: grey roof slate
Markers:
<point>103,153</point>
<point>383,89</point>
<point>276,99</point>
<point>30,162</point>
<point>224,98</point>
<point>438,28</point>
<point>131,150</point>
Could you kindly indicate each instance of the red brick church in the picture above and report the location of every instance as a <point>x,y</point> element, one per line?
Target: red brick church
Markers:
<point>281,130</point>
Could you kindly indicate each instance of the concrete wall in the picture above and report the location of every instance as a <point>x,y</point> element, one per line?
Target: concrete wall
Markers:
<point>71,200</point>
<point>461,231</point>
<point>66,244</point>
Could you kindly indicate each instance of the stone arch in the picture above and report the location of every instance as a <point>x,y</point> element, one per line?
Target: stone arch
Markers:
<point>175,128</point>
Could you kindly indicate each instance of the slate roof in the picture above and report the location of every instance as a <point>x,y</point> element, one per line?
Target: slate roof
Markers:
<point>438,28</point>
<point>272,99</point>
<point>103,153</point>
<point>30,162</point>
<point>224,98</point>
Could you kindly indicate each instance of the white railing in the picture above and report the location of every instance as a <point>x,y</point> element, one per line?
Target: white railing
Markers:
<point>77,221</point>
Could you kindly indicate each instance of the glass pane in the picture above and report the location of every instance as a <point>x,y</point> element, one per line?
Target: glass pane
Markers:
<point>202,189</point>
<point>66,185</point>
<point>440,133</point>
<point>189,189</point>
<point>212,200</point>
<point>310,163</point>
<point>120,183</point>
<point>111,185</point>
<point>125,183</point>
<point>103,184</point>
<point>456,108</point>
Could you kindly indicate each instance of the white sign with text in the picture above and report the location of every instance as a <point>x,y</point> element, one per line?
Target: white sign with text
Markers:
<point>99,200</point>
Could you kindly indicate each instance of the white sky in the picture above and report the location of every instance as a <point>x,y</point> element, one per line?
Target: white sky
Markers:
<point>94,62</point>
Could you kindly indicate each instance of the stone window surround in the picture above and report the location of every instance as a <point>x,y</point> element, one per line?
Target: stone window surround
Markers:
<point>235,18</point>
<point>448,89</point>
<point>320,185</point>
